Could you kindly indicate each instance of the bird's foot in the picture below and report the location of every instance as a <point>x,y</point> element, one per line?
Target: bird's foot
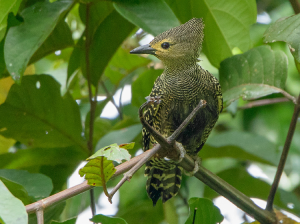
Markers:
<point>182,151</point>
<point>153,99</point>
<point>197,162</point>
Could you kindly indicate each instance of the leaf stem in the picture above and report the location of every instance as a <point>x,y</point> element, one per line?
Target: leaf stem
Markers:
<point>296,6</point>
<point>284,155</point>
<point>263,102</point>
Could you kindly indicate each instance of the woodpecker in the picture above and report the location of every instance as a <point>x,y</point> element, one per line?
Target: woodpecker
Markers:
<point>178,91</point>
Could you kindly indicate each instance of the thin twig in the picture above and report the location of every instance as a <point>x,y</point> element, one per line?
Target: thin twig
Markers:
<point>40,216</point>
<point>263,102</point>
<point>93,103</point>
<point>284,154</point>
<point>112,100</point>
<point>80,188</point>
<point>296,6</point>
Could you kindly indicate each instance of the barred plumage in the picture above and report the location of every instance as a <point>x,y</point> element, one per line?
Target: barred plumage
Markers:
<point>180,88</point>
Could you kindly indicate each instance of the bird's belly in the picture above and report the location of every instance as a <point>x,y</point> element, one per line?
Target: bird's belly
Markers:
<point>173,113</point>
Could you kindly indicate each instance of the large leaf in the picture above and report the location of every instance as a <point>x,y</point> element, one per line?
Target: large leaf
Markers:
<point>37,185</point>
<point>227,24</point>
<point>153,16</point>
<point>100,51</point>
<point>60,38</point>
<point>287,30</point>
<point>5,8</point>
<point>242,75</point>
<point>25,159</point>
<point>120,136</point>
<point>36,114</point>
<point>98,12</point>
<point>241,145</point>
<point>10,205</point>
<point>22,41</point>
<point>17,190</point>
<point>143,85</point>
<point>203,211</point>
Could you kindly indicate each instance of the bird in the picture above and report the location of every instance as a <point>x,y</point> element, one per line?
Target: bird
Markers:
<point>177,91</point>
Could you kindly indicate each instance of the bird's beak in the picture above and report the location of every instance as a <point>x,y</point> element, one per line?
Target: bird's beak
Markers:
<point>144,49</point>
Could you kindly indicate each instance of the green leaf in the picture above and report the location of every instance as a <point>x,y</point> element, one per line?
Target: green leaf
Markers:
<point>5,144</point>
<point>287,30</point>
<point>143,85</point>
<point>114,152</point>
<point>153,16</point>
<point>106,33</point>
<point>37,185</point>
<point>23,41</point>
<point>36,114</point>
<point>70,221</point>
<point>5,8</point>
<point>98,12</point>
<point>92,171</point>
<point>122,64</point>
<point>60,38</point>
<point>242,75</point>
<point>36,157</point>
<point>10,205</point>
<point>205,211</point>
<point>107,219</point>
<point>227,24</point>
<point>124,135</point>
<point>17,190</point>
<point>241,145</point>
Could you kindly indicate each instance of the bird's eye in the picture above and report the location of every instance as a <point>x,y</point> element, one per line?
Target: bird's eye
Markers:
<point>165,45</point>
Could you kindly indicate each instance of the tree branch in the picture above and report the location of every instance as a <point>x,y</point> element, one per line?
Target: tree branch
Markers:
<point>284,154</point>
<point>210,179</point>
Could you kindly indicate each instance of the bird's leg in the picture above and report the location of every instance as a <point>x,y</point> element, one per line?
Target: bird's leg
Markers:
<point>165,143</point>
<point>153,99</point>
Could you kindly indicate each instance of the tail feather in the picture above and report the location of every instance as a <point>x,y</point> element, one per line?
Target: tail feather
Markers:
<point>162,183</point>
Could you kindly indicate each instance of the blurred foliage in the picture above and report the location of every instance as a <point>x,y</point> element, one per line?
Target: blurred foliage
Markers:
<point>45,111</point>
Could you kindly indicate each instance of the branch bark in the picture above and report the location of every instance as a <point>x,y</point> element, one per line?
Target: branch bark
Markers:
<point>284,154</point>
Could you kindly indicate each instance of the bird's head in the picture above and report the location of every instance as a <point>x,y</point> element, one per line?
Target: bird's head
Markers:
<point>177,44</point>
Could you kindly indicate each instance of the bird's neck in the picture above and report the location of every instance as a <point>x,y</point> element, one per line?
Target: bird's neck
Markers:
<point>179,66</point>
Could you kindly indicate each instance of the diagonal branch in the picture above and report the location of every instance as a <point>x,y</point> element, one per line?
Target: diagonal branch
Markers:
<point>210,179</point>
<point>284,154</point>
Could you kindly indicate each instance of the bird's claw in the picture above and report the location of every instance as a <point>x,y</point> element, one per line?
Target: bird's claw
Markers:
<point>153,99</point>
<point>197,162</point>
<point>182,151</point>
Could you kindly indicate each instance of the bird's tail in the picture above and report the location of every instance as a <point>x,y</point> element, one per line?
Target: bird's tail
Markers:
<point>162,181</point>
